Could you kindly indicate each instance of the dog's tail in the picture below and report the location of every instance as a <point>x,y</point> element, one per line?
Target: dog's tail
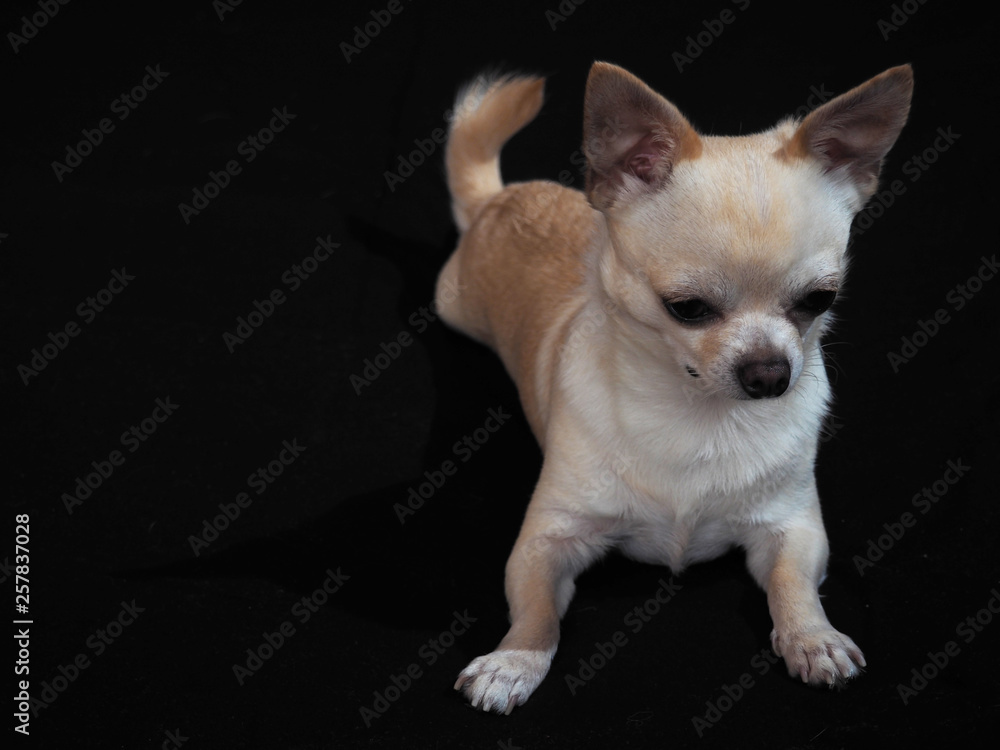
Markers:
<point>487,113</point>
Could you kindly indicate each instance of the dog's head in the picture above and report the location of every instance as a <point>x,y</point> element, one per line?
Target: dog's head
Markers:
<point>729,251</point>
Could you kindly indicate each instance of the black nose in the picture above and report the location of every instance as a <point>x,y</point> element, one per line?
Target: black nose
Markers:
<point>766,379</point>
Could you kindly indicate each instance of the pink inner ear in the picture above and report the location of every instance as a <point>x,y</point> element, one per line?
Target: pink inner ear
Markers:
<point>642,165</point>
<point>645,158</point>
<point>857,150</point>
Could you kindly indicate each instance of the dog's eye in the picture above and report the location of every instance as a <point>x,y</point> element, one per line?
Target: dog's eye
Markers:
<point>816,303</point>
<point>689,310</point>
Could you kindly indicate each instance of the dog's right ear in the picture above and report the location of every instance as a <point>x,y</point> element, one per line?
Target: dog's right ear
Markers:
<point>632,137</point>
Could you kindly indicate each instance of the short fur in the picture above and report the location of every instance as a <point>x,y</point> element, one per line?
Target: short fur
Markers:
<point>663,330</point>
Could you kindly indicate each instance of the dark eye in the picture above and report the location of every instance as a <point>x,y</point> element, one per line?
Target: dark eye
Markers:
<point>816,303</point>
<point>689,310</point>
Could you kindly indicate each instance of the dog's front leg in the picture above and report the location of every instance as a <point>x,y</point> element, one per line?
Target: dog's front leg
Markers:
<point>790,565</point>
<point>554,546</point>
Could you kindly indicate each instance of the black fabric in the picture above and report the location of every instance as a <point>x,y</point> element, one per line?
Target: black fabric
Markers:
<point>217,297</point>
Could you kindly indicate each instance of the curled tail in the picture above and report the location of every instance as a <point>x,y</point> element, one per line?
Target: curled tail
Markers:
<point>487,113</point>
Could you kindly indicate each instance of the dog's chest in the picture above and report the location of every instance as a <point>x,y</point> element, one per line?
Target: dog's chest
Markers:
<point>690,496</point>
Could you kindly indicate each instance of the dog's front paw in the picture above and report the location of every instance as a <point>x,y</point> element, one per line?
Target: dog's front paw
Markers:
<point>819,657</point>
<point>503,679</point>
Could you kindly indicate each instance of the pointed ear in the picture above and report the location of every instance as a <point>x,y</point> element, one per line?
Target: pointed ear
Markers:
<point>850,135</point>
<point>632,137</point>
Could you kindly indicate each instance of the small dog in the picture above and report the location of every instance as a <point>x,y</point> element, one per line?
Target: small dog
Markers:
<point>663,329</point>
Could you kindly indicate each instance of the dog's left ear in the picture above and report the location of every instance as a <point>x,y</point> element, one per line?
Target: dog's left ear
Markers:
<point>632,137</point>
<point>850,135</point>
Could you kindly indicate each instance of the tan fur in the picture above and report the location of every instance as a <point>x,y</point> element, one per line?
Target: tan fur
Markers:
<point>520,263</point>
<point>501,108</point>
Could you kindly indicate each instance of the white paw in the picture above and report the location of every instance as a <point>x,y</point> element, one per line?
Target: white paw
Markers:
<point>503,679</point>
<point>819,657</point>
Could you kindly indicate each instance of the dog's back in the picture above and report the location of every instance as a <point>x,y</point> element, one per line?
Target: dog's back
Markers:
<point>523,244</point>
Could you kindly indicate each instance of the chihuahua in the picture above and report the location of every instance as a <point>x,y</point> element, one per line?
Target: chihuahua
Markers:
<point>663,329</point>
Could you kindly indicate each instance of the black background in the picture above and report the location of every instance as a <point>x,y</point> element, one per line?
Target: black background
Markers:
<point>893,432</point>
